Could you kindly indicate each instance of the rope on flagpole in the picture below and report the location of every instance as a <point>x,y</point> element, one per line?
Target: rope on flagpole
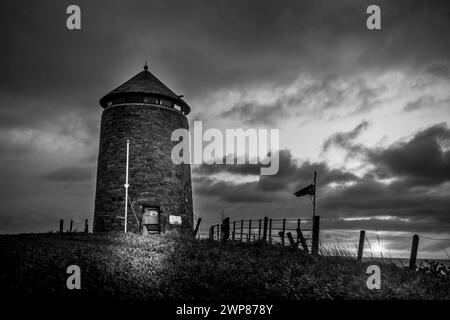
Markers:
<point>120,208</point>
<point>137,220</point>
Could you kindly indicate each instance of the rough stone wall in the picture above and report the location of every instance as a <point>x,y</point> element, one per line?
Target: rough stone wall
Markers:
<point>153,177</point>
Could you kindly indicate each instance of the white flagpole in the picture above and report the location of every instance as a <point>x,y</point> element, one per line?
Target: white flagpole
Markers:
<point>126,185</point>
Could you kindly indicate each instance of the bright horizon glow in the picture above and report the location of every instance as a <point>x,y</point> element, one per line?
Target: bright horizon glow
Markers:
<point>386,218</point>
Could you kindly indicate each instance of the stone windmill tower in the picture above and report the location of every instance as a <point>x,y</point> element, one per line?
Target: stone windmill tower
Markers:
<point>144,111</point>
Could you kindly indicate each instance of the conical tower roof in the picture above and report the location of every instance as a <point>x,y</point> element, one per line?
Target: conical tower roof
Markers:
<point>142,84</point>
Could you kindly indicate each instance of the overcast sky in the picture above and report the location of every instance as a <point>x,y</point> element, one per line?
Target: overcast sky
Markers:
<point>369,110</point>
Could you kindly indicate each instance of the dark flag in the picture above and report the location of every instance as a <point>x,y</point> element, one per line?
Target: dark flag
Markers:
<point>306,190</point>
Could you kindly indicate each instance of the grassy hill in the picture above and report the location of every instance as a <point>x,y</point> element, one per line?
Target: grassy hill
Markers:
<point>118,266</point>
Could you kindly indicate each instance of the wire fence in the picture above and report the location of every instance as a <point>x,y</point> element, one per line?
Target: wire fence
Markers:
<point>376,244</point>
<point>252,229</point>
<point>391,245</point>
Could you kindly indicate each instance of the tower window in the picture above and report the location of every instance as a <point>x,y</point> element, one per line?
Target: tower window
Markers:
<point>152,100</point>
<point>134,99</point>
<point>166,103</point>
<point>119,100</point>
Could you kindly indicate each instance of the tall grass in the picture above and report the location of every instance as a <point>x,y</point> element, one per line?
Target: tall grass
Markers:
<point>127,266</point>
<point>335,250</point>
<point>339,249</point>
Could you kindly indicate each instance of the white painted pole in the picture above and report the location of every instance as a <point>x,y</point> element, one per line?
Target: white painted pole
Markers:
<point>126,185</point>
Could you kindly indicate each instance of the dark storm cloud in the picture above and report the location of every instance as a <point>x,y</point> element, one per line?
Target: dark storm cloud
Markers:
<point>52,77</point>
<point>417,165</point>
<point>420,167</point>
<point>199,46</point>
<point>421,159</point>
<point>230,192</point>
<point>292,175</point>
<point>239,169</point>
<point>254,113</point>
<point>372,198</point>
<point>277,42</point>
<point>427,102</point>
<point>345,139</point>
<point>323,98</point>
<point>289,178</point>
<point>439,69</point>
<point>422,102</point>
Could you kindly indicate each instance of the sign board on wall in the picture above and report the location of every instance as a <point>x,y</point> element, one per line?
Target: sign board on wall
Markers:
<point>175,220</point>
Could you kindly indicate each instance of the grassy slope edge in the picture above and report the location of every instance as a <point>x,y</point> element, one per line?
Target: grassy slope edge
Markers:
<point>118,266</point>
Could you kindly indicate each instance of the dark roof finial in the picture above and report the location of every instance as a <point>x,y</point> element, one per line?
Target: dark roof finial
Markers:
<point>146,66</point>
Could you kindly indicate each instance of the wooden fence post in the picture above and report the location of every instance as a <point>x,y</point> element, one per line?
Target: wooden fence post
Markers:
<point>283,232</point>
<point>199,220</point>
<point>71,225</point>
<point>301,238</point>
<point>234,230</point>
<point>413,258</point>
<point>266,221</point>
<point>259,230</point>
<point>249,230</point>
<point>291,240</point>
<point>270,231</point>
<point>362,235</point>
<point>280,234</point>
<point>242,228</point>
<point>211,233</point>
<point>61,225</point>
<point>225,234</point>
<point>86,227</point>
<point>315,235</point>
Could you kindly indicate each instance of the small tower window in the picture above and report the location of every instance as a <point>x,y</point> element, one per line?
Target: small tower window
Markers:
<point>166,103</point>
<point>119,100</point>
<point>152,100</point>
<point>135,99</point>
